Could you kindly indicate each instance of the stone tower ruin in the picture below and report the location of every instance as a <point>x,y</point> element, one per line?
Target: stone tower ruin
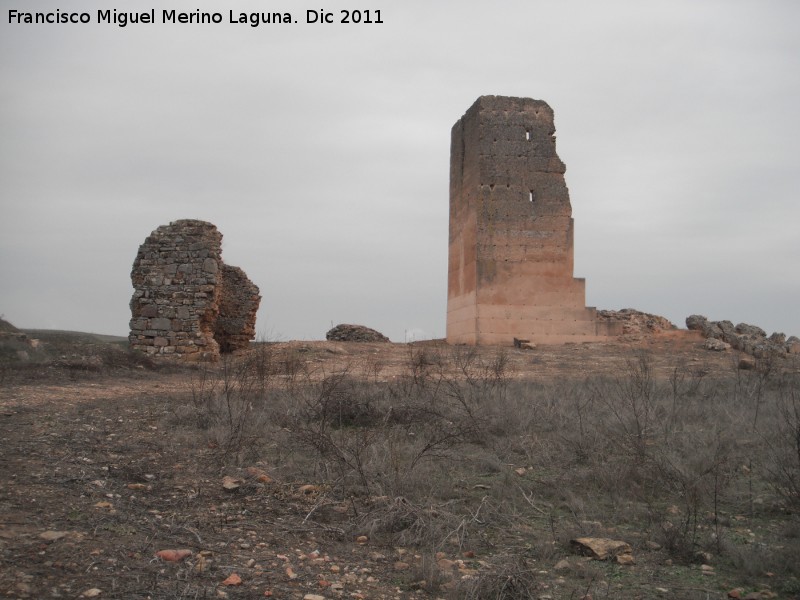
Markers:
<point>510,272</point>
<point>187,303</point>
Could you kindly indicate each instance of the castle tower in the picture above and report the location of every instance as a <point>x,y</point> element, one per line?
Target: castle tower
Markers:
<point>511,231</point>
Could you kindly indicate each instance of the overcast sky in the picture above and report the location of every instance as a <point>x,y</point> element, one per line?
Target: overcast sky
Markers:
<point>321,152</point>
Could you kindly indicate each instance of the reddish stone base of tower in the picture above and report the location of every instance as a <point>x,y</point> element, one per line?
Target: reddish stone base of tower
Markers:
<point>502,325</point>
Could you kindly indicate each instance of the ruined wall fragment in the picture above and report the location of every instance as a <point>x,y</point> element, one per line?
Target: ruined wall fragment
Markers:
<point>179,286</point>
<point>238,303</point>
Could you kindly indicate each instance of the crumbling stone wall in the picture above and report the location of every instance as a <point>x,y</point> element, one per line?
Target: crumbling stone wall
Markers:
<point>510,272</point>
<point>238,303</point>
<point>187,303</point>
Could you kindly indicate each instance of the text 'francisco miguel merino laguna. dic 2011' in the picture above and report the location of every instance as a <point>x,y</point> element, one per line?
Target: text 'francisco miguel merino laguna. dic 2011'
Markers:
<point>197,17</point>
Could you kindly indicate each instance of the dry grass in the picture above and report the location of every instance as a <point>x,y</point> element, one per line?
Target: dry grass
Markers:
<point>450,451</point>
<point>466,456</point>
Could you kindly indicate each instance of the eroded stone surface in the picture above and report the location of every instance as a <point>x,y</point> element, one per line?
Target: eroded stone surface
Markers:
<point>511,231</point>
<point>239,300</point>
<point>187,303</point>
<point>354,333</point>
<point>636,322</point>
<point>744,337</point>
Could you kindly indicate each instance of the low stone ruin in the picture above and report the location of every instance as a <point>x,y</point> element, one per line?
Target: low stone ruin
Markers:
<point>635,322</point>
<point>187,303</point>
<point>750,339</point>
<point>354,333</point>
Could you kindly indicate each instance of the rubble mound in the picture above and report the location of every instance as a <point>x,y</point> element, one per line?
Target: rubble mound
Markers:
<point>635,322</point>
<point>744,337</point>
<point>354,333</point>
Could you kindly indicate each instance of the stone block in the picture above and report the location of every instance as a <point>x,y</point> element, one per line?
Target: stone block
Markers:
<point>161,324</point>
<point>210,266</point>
<point>148,310</point>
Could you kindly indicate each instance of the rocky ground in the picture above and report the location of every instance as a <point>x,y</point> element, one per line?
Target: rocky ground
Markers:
<point>106,492</point>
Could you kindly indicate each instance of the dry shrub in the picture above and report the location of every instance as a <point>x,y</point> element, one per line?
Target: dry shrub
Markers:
<point>381,438</point>
<point>406,523</point>
<point>230,403</point>
<point>782,437</point>
<point>506,577</point>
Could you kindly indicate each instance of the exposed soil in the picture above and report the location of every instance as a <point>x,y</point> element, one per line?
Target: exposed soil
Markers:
<point>95,478</point>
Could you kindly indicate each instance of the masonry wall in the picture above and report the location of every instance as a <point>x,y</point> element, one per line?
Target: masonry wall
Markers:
<point>511,231</point>
<point>238,303</point>
<point>187,303</point>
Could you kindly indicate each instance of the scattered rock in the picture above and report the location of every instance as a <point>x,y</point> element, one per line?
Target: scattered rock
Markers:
<point>696,323</point>
<point>625,559</point>
<point>174,555</point>
<point>92,593</point>
<point>233,580</point>
<point>747,338</point>
<point>651,545</point>
<point>354,333</point>
<point>231,483</point>
<point>600,548</point>
<point>716,345</point>
<point>52,536</point>
<point>201,564</point>
<point>735,593</point>
<point>524,344</point>
<point>258,474</point>
<point>562,565</point>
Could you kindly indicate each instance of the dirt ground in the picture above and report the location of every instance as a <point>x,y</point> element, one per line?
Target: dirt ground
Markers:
<point>94,481</point>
